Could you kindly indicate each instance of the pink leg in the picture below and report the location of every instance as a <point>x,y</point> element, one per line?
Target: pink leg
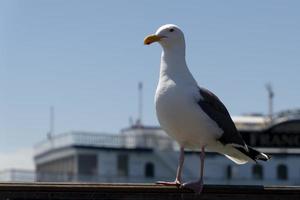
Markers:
<point>178,179</point>
<point>197,186</point>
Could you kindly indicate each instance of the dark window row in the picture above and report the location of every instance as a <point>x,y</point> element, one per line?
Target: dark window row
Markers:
<point>258,172</point>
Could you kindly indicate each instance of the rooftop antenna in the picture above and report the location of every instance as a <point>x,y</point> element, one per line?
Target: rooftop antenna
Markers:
<point>270,100</point>
<point>130,121</point>
<point>140,104</point>
<point>51,123</point>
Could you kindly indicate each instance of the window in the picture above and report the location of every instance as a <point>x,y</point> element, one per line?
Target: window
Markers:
<point>62,169</point>
<point>122,165</point>
<point>149,170</point>
<point>229,172</point>
<point>257,172</point>
<point>282,172</point>
<point>87,164</point>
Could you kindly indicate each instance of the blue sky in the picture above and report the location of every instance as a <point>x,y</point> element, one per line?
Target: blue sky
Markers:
<point>86,58</point>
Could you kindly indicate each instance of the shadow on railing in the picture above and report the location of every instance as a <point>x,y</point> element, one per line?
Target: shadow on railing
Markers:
<point>30,176</point>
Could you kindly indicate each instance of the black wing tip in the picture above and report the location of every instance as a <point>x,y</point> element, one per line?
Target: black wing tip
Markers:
<point>263,157</point>
<point>254,154</point>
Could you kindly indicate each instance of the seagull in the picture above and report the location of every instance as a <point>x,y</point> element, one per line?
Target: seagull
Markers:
<point>192,115</point>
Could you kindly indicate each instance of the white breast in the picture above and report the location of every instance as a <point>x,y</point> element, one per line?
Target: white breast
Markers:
<point>181,117</point>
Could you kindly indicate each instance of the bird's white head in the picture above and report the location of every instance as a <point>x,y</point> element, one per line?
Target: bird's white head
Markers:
<point>169,36</point>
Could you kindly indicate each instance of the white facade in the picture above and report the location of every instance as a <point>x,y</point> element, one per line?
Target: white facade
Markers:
<point>147,154</point>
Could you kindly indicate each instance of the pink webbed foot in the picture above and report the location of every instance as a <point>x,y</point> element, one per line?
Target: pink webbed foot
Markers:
<point>196,186</point>
<point>172,183</point>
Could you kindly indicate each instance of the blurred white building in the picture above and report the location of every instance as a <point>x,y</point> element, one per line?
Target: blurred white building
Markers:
<point>17,175</point>
<point>147,154</point>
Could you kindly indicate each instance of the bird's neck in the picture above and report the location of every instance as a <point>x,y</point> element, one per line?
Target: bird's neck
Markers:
<point>173,66</point>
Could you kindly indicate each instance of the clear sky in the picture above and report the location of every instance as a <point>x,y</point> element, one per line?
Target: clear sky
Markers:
<point>86,57</point>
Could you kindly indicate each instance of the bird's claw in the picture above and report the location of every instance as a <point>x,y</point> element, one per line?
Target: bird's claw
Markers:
<point>172,183</point>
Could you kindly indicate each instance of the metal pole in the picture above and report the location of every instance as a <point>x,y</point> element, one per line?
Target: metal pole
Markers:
<point>140,108</point>
<point>51,123</point>
<point>52,120</point>
<point>270,99</point>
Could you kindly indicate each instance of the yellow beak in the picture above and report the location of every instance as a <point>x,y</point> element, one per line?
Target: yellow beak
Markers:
<point>151,38</point>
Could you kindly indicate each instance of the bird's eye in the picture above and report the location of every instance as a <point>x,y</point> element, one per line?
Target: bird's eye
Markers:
<point>171,30</point>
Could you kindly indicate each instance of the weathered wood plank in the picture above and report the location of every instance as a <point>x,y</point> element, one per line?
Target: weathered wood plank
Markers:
<point>79,191</point>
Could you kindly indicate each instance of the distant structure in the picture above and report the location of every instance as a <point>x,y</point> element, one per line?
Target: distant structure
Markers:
<point>147,154</point>
<point>17,175</point>
<point>270,100</point>
<point>139,121</point>
<point>51,123</point>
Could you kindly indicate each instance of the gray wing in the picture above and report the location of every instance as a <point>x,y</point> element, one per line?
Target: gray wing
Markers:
<point>216,110</point>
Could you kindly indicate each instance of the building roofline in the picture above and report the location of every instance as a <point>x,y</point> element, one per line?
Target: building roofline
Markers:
<point>142,127</point>
<point>139,149</point>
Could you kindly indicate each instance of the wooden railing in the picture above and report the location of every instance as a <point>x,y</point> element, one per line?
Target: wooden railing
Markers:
<point>62,191</point>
